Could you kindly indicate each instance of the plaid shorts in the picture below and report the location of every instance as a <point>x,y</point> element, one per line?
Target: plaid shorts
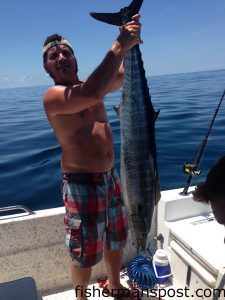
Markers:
<point>95,215</point>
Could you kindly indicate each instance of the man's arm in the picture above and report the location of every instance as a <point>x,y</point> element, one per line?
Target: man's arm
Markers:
<point>118,81</point>
<point>67,100</point>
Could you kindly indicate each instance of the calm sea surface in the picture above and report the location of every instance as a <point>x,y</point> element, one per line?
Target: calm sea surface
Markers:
<point>30,154</point>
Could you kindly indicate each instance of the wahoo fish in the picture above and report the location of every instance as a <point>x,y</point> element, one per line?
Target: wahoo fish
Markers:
<point>139,172</point>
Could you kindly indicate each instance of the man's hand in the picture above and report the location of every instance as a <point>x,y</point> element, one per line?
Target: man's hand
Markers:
<point>130,33</point>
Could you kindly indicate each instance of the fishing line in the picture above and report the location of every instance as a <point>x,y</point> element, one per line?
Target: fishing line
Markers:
<point>192,169</point>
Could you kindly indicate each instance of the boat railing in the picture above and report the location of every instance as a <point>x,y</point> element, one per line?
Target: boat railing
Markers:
<point>15,208</point>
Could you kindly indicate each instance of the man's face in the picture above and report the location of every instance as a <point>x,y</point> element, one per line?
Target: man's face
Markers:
<point>218,207</point>
<point>61,64</point>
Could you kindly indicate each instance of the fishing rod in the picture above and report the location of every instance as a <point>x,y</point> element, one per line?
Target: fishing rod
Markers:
<point>192,169</point>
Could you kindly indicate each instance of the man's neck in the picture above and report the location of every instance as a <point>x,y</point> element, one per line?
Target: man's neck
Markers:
<point>72,82</point>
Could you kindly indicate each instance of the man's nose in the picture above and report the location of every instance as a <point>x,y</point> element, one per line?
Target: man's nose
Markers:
<point>61,57</point>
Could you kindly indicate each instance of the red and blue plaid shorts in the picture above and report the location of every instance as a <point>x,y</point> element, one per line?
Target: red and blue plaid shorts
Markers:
<point>95,215</point>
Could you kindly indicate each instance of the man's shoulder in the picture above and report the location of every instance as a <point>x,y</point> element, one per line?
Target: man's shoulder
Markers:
<point>53,93</point>
<point>54,90</point>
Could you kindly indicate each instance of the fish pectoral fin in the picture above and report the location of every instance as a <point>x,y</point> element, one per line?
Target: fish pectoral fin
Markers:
<point>157,114</point>
<point>117,110</point>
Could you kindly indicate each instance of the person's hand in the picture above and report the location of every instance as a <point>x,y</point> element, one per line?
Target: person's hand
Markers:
<point>130,33</point>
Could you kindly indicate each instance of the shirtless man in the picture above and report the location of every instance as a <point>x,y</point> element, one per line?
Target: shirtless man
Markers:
<point>95,218</point>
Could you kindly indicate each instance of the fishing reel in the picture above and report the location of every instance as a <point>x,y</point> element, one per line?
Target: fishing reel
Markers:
<point>191,169</point>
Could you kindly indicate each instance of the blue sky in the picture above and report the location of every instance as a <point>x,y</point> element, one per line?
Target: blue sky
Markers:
<point>179,36</point>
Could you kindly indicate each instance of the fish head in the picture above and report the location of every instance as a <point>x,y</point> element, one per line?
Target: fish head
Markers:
<point>139,231</point>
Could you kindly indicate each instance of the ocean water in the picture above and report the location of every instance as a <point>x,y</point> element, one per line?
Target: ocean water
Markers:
<point>30,155</point>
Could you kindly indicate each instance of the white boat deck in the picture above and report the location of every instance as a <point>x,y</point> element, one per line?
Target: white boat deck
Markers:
<point>33,246</point>
<point>70,295</point>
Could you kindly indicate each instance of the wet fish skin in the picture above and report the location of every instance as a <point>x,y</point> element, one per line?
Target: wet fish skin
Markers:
<point>139,172</point>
